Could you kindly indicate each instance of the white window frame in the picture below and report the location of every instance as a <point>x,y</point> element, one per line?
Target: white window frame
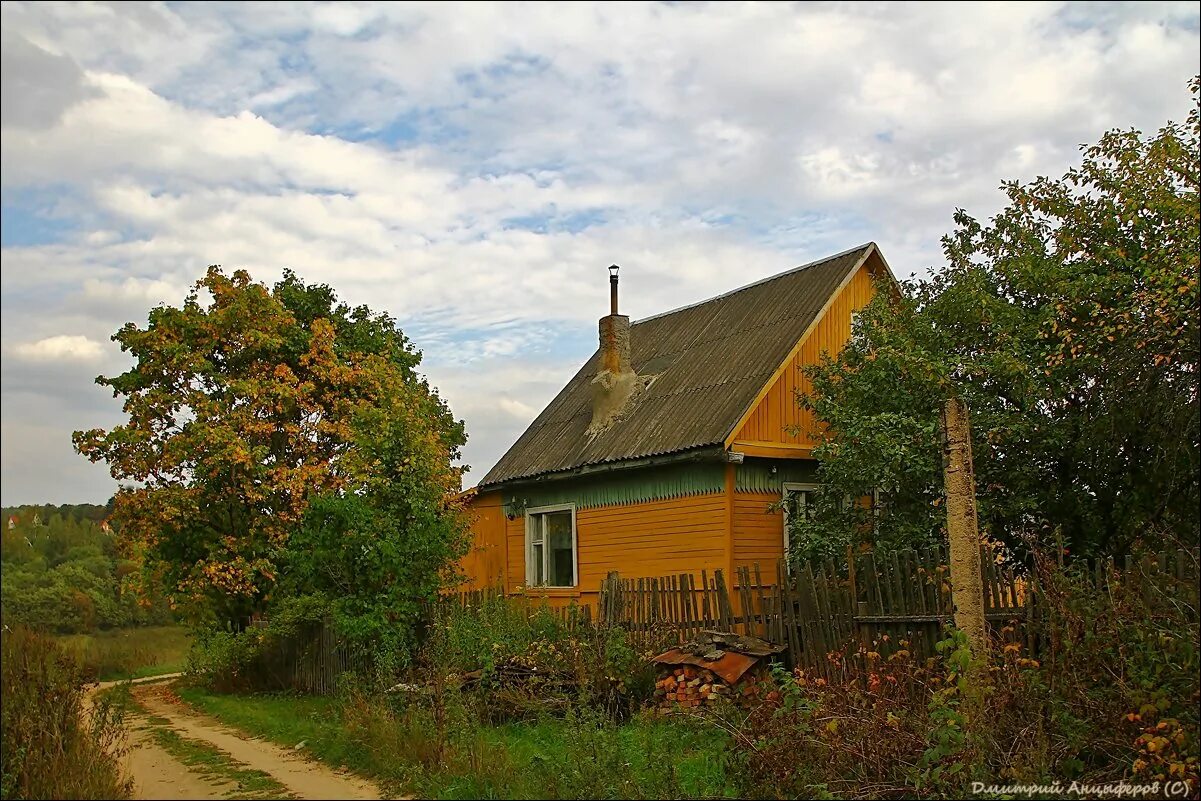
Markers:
<point>529,548</point>
<point>792,486</point>
<point>855,337</point>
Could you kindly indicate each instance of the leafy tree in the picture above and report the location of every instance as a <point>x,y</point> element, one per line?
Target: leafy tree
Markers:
<point>246,405</point>
<point>1068,323</point>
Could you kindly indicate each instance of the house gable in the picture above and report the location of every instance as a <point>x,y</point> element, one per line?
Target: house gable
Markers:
<point>775,425</point>
<point>704,365</point>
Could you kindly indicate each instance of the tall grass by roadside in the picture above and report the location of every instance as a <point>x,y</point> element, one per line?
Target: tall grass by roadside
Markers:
<point>52,748</point>
<point>410,749</point>
<point>130,653</point>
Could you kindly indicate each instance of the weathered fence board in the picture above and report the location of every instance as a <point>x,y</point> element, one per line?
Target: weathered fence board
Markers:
<point>826,615</point>
<point>875,603</point>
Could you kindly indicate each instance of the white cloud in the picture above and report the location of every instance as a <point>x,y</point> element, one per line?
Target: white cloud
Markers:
<point>473,168</point>
<point>63,347</point>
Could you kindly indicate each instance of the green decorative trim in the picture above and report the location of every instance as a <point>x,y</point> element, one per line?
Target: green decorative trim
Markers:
<point>631,486</point>
<point>755,475</point>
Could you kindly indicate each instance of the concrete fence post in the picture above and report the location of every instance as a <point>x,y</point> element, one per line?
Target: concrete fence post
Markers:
<point>963,530</point>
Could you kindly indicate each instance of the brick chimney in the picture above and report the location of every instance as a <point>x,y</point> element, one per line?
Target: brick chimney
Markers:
<point>615,382</point>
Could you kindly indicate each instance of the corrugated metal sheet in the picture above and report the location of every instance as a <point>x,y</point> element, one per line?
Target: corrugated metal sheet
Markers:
<point>711,360</point>
<point>730,666</point>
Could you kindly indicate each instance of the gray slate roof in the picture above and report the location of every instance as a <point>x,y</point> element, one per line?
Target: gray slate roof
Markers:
<point>711,359</point>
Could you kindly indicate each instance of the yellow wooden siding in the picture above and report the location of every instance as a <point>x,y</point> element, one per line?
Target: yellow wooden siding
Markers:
<point>758,533</point>
<point>777,411</point>
<point>484,564</point>
<point>654,538</point>
<point>638,540</point>
<point>515,545</point>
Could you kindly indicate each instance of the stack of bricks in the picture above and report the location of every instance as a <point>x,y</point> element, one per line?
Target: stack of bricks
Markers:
<point>688,686</point>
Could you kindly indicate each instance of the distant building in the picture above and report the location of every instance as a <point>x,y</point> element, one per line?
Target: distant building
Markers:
<point>13,520</point>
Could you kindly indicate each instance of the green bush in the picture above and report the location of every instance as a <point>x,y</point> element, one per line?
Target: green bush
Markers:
<point>51,748</point>
<point>255,658</point>
<point>1121,674</point>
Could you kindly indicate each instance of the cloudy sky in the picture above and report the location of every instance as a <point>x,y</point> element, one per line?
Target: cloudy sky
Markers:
<point>473,169</point>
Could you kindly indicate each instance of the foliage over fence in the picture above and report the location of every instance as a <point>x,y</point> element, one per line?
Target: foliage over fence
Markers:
<point>833,618</point>
<point>826,613</point>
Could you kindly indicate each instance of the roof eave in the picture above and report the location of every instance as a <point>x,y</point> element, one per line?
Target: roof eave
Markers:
<point>703,453</point>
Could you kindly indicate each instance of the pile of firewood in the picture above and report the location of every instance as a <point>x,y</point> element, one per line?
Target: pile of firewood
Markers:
<point>715,666</point>
<point>691,686</point>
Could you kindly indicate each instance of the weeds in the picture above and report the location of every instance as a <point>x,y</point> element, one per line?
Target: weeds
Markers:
<point>52,747</point>
<point>129,653</point>
<point>1114,697</point>
<point>502,703</point>
<point>532,664</point>
<point>582,754</point>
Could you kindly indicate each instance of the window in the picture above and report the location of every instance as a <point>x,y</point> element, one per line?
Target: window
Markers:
<point>798,502</point>
<point>550,546</point>
<point>857,334</point>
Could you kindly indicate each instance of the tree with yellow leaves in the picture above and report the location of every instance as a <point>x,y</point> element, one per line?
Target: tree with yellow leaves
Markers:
<point>280,444</point>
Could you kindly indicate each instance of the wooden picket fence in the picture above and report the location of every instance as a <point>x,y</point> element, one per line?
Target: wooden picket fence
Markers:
<point>308,661</point>
<point>647,607</point>
<point>825,613</point>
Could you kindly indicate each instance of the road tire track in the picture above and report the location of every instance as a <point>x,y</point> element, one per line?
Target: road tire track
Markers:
<point>159,775</point>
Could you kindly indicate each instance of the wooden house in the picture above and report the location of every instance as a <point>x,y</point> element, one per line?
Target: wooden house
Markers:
<point>666,451</point>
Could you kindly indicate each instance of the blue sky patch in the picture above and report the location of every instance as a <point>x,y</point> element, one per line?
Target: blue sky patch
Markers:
<point>30,217</point>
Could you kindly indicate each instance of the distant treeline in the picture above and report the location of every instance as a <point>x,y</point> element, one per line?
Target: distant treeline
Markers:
<point>77,511</point>
<point>62,572</point>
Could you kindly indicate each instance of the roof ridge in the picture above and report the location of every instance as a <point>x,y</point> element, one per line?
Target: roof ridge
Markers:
<point>753,284</point>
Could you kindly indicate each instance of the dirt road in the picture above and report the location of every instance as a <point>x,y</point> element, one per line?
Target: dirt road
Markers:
<point>157,774</point>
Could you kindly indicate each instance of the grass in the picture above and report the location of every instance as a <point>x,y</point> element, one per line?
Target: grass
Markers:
<point>129,653</point>
<point>213,763</point>
<point>577,757</point>
<point>287,720</point>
